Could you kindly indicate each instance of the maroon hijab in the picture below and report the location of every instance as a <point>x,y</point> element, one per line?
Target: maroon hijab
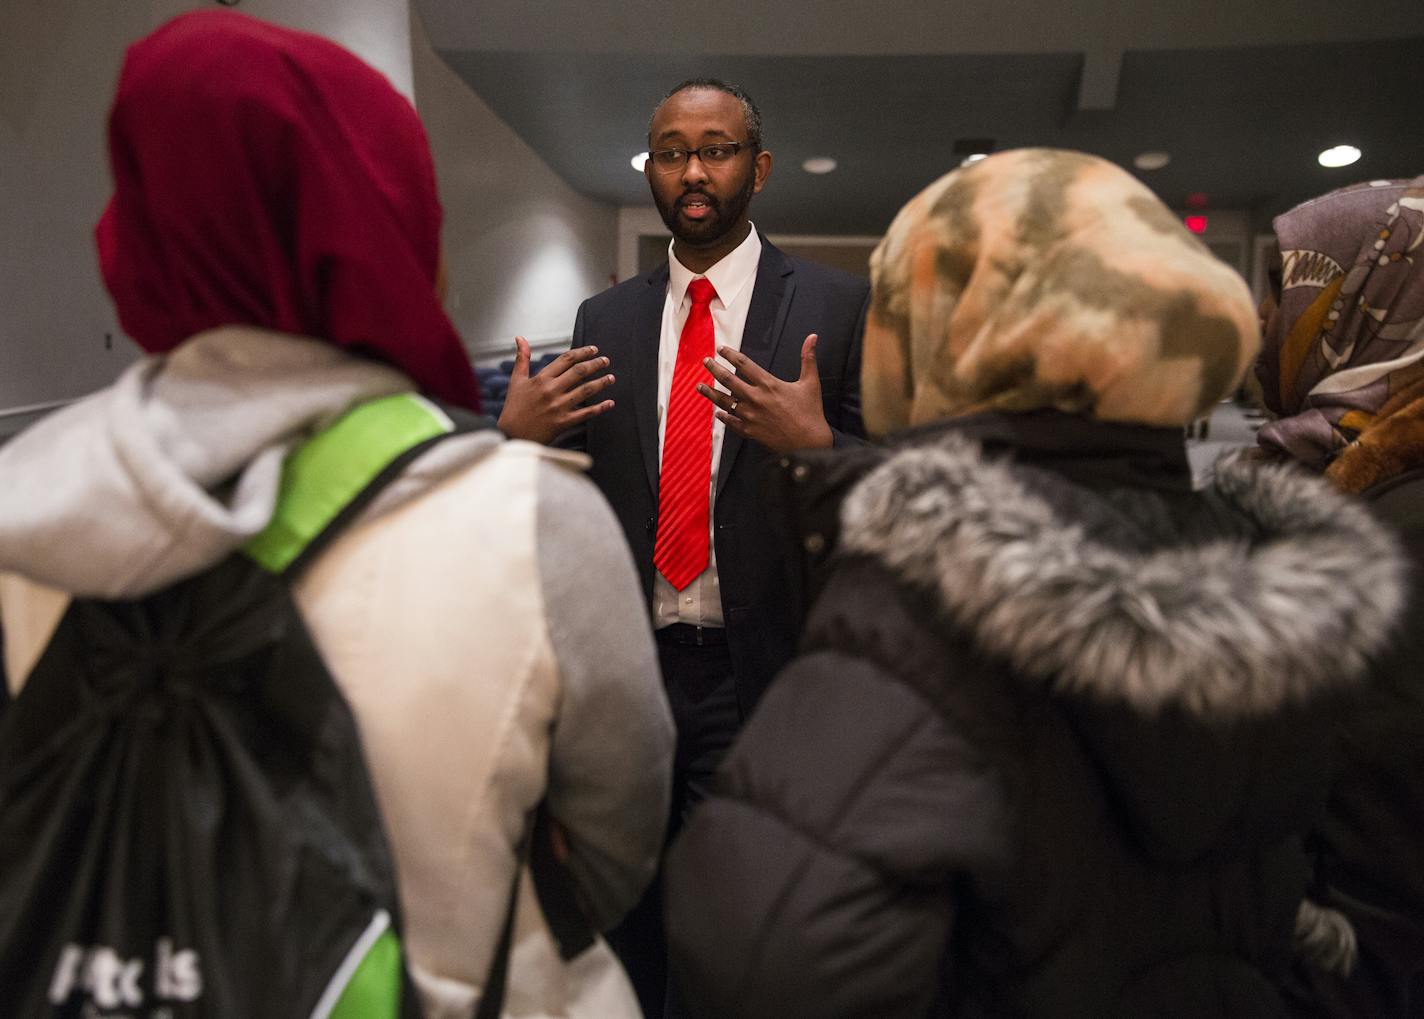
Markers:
<point>267,177</point>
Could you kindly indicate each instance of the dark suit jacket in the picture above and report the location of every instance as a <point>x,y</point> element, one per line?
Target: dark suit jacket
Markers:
<point>791,298</point>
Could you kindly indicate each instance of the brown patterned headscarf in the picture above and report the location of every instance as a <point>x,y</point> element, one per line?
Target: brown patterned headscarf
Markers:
<point>1343,360</point>
<point>1039,278</point>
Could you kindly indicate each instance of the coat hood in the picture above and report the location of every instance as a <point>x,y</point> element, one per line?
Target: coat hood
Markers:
<point>174,466</point>
<point>1199,646</point>
<point>1289,600</point>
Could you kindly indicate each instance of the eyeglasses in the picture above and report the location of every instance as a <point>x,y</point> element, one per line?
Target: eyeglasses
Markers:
<point>716,154</point>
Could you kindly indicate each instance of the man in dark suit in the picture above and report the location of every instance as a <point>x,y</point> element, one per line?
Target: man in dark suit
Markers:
<point>680,441</point>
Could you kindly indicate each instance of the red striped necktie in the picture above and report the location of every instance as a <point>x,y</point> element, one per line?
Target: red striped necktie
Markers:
<point>685,481</point>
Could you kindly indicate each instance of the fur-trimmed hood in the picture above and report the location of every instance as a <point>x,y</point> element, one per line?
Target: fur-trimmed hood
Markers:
<point>1289,600</point>
<point>1136,687</point>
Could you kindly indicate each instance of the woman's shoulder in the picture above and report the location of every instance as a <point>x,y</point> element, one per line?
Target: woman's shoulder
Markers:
<point>1399,502</point>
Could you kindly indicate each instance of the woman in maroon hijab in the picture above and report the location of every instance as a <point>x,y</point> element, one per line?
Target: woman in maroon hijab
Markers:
<point>273,242</point>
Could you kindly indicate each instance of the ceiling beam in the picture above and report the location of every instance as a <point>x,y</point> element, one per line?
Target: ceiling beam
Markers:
<point>1098,83</point>
<point>905,27</point>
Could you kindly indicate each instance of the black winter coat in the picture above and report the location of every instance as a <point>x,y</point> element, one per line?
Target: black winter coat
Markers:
<point>1058,727</point>
<point>1369,847</point>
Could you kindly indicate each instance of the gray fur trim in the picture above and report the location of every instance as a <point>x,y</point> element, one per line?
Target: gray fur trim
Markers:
<point>1325,938</point>
<point>1232,627</point>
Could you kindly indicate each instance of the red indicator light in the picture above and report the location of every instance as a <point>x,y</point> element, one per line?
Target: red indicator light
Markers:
<point>1196,224</point>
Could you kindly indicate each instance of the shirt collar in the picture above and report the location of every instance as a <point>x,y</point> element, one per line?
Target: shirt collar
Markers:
<point>730,276</point>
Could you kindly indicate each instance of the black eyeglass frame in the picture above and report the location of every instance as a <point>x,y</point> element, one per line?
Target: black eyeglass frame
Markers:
<point>687,155</point>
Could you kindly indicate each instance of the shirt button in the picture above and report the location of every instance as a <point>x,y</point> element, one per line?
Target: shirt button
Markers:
<point>687,601</point>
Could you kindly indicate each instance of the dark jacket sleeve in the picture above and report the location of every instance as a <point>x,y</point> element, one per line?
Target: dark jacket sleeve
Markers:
<point>852,426</point>
<point>576,438</point>
<point>820,881</point>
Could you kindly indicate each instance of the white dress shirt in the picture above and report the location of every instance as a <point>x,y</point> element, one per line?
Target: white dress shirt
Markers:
<point>734,278</point>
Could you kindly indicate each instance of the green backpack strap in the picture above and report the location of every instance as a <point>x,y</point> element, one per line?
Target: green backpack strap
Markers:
<point>326,482</point>
<point>330,478</point>
<point>370,983</point>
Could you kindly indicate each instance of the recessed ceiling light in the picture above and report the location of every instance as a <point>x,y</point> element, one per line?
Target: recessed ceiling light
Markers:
<point>1340,155</point>
<point>974,157</point>
<point>819,164</point>
<point>1152,160</point>
<point>638,161</point>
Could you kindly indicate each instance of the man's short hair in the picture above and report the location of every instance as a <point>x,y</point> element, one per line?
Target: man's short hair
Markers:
<point>749,108</point>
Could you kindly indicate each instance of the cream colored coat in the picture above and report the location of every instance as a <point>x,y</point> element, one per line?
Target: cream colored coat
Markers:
<point>486,627</point>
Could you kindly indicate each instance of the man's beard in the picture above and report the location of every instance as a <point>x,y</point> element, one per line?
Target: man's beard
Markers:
<point>723,218</point>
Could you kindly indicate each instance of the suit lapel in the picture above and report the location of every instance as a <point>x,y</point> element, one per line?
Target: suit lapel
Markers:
<point>645,330</point>
<point>771,298</point>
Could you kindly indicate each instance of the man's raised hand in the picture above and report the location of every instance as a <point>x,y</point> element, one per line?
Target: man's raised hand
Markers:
<point>543,407</point>
<point>783,416</point>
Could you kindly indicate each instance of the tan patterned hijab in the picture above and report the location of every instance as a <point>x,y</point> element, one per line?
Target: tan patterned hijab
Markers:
<point>1047,279</point>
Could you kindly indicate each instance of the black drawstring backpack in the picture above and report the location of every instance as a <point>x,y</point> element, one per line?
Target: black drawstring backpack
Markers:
<point>187,826</point>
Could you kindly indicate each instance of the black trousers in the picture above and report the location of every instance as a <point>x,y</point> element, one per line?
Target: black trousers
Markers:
<point>702,693</point>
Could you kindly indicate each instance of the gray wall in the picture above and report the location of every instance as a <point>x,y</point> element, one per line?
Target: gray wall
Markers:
<point>58,63</point>
<point>522,248</point>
